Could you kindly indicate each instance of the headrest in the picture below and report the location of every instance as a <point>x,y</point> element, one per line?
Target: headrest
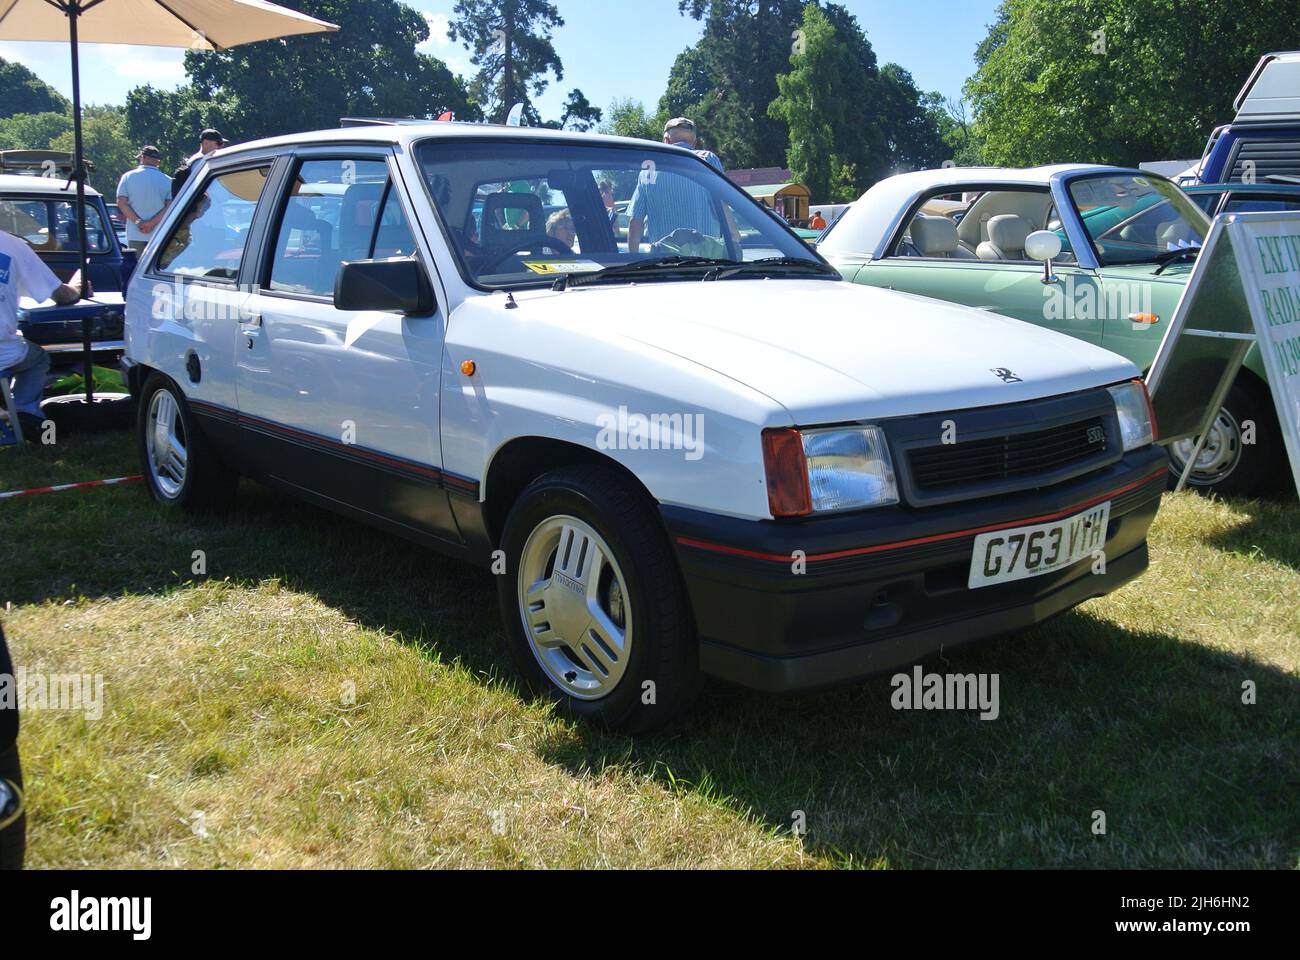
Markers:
<point>510,217</point>
<point>1008,233</point>
<point>1176,230</point>
<point>934,236</point>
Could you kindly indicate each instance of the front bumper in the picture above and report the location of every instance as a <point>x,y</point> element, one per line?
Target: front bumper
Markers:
<point>881,589</point>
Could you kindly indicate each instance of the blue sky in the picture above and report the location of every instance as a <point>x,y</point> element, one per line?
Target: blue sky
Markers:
<point>610,48</point>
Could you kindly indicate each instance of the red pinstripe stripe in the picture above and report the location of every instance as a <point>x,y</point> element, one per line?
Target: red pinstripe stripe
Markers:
<point>899,544</point>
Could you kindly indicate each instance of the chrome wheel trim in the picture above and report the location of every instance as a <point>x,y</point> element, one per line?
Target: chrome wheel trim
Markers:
<point>573,607</point>
<point>165,445</point>
<point>1218,458</point>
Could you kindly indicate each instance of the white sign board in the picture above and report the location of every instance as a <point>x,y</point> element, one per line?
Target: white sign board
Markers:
<point>1268,251</point>
<point>1244,290</point>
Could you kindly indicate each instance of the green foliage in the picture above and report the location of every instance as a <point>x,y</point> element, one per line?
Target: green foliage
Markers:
<point>104,131</point>
<point>510,43</point>
<point>629,118</point>
<point>1116,81</point>
<point>808,101</point>
<point>24,92</point>
<point>107,145</point>
<point>369,68</point>
<point>579,114</point>
<point>727,80</point>
<point>33,131</point>
<point>171,120</point>
<point>912,140</point>
<point>850,123</point>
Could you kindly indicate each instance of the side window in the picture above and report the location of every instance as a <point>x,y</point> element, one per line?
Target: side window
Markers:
<point>1248,204</point>
<point>1206,201</point>
<point>209,240</point>
<point>333,214</point>
<point>394,237</point>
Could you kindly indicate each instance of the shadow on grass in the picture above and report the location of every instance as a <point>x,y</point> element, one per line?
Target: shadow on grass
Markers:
<point>1271,529</point>
<point>1148,729</point>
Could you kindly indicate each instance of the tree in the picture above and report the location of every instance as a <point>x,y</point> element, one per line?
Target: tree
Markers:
<point>510,43</point>
<point>628,118</point>
<point>807,102</point>
<point>172,119</point>
<point>1116,81</point>
<point>33,131</point>
<point>24,92</point>
<point>727,80</point>
<point>579,114</point>
<point>951,119</point>
<point>107,145</point>
<point>911,137</point>
<point>369,68</point>
<point>850,123</point>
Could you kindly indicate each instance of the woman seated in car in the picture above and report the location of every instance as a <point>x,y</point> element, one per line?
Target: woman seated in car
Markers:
<point>559,226</point>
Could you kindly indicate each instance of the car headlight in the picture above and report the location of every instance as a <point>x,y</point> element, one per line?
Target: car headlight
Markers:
<point>824,471</point>
<point>1137,421</point>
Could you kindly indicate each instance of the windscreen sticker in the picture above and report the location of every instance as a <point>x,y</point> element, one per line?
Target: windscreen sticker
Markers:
<point>562,266</point>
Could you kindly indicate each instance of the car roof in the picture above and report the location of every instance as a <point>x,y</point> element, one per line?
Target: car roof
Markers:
<point>13,183</point>
<point>405,133</point>
<point>867,225</point>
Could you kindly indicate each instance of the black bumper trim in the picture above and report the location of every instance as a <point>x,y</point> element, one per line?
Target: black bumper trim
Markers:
<point>783,606</point>
<point>861,660</point>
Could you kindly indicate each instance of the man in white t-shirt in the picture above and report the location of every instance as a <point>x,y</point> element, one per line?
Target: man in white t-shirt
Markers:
<point>24,274</point>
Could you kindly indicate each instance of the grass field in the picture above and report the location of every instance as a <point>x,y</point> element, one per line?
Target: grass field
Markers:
<point>330,696</point>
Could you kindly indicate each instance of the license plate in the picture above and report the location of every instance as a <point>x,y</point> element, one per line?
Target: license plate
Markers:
<point>1019,553</point>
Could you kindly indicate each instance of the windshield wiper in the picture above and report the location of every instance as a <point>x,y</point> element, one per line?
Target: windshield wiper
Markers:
<point>619,270</point>
<point>1173,256</point>
<point>771,265</point>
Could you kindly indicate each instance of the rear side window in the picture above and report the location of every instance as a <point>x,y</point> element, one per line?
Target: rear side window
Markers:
<point>1249,204</point>
<point>50,226</point>
<point>210,239</point>
<point>337,211</point>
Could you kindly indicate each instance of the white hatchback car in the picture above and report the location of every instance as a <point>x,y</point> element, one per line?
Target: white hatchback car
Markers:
<point>707,455</point>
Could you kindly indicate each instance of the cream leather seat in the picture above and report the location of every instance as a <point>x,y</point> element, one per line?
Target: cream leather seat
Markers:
<point>1007,236</point>
<point>934,236</point>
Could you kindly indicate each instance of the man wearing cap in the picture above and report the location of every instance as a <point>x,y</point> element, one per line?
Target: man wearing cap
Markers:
<point>143,195</point>
<point>670,202</point>
<point>209,140</point>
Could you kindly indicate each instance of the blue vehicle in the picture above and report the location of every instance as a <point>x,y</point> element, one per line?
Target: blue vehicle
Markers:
<point>39,206</point>
<point>1262,144</point>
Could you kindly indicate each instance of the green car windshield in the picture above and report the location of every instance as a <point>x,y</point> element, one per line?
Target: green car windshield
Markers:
<point>1130,218</point>
<point>523,212</point>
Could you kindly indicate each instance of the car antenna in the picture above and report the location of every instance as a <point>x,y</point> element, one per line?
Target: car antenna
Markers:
<point>510,301</point>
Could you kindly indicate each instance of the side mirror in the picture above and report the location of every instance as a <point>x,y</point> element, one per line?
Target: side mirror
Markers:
<point>399,284</point>
<point>1044,245</point>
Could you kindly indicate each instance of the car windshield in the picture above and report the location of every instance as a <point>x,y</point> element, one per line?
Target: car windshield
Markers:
<point>50,226</point>
<point>1132,218</point>
<point>522,212</point>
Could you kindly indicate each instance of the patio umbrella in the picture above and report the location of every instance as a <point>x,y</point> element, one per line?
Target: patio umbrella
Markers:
<point>192,24</point>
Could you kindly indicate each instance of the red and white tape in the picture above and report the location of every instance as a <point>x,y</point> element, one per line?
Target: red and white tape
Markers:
<point>35,491</point>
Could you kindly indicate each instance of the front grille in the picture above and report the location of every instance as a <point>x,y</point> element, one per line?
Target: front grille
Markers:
<point>1008,458</point>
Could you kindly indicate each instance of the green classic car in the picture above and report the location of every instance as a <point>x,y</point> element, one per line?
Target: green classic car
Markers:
<point>1127,240</point>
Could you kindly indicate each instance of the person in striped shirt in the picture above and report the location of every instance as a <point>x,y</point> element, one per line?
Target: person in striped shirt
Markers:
<point>665,203</point>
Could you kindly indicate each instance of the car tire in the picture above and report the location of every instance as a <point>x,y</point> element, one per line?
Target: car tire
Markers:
<point>13,832</point>
<point>180,468</point>
<point>585,548</point>
<point>1229,466</point>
